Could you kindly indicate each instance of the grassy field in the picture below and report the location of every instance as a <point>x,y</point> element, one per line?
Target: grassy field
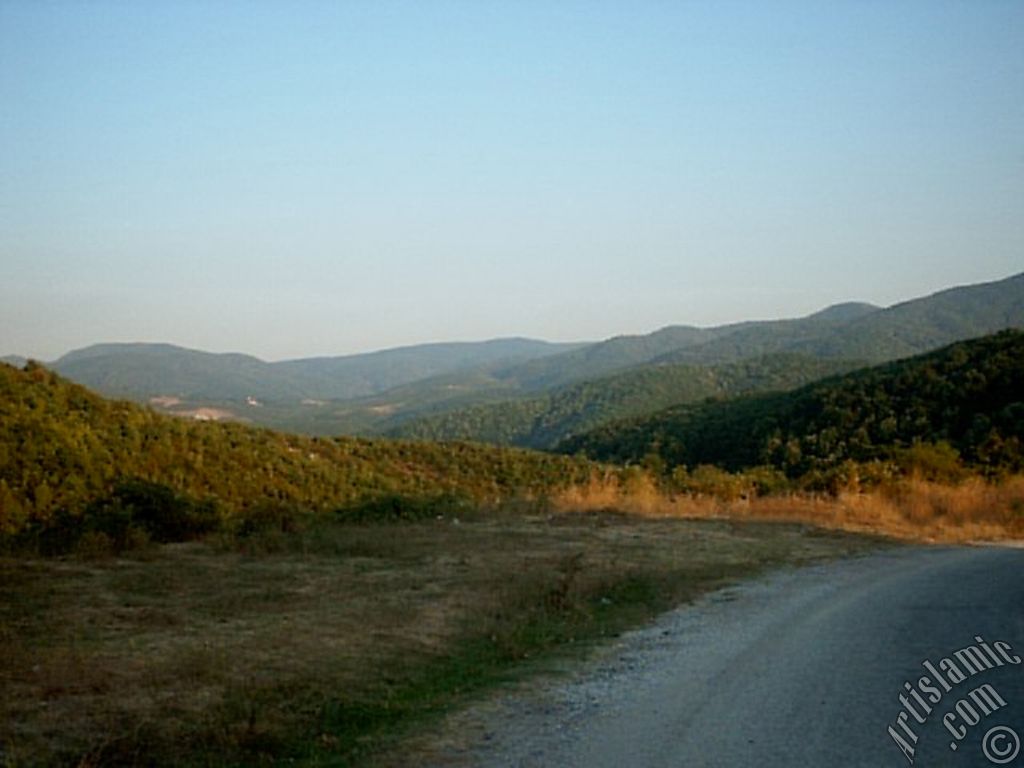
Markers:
<point>331,645</point>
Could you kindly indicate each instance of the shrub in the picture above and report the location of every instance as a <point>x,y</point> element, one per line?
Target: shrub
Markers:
<point>111,519</point>
<point>395,508</point>
<point>94,545</point>
<point>134,513</point>
<point>931,461</point>
<point>712,481</point>
<point>165,515</point>
<point>270,515</point>
<point>765,481</point>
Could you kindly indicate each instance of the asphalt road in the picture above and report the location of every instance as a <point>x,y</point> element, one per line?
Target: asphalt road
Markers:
<point>804,668</point>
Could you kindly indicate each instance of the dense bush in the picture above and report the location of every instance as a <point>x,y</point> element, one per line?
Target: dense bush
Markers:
<point>163,514</point>
<point>134,513</point>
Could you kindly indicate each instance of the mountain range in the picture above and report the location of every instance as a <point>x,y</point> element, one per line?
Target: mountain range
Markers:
<point>539,392</point>
<point>147,370</point>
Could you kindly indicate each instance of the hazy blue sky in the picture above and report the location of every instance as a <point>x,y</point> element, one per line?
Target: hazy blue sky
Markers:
<point>293,178</point>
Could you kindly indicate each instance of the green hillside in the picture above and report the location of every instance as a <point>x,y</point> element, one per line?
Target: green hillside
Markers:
<point>62,448</point>
<point>542,422</point>
<point>969,395</point>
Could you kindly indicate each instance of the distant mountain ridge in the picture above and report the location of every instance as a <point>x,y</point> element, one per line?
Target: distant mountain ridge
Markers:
<point>911,327</point>
<point>845,311</point>
<point>148,370</point>
<point>627,376</point>
<point>378,392</point>
<point>145,370</point>
<point>902,330</point>
<point>851,331</point>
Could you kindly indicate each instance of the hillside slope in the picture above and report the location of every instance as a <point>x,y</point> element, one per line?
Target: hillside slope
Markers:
<point>542,422</point>
<point>970,395</point>
<point>63,447</point>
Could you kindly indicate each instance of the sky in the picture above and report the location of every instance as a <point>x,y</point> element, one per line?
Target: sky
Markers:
<point>290,179</point>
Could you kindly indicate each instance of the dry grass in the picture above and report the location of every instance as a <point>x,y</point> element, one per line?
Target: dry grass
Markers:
<point>320,646</point>
<point>912,509</point>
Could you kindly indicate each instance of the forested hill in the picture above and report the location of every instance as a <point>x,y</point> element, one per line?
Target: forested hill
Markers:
<point>63,447</point>
<point>544,421</point>
<point>969,395</point>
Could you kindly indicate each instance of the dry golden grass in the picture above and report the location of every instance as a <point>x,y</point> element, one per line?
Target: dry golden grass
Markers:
<point>301,646</point>
<point>912,509</point>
